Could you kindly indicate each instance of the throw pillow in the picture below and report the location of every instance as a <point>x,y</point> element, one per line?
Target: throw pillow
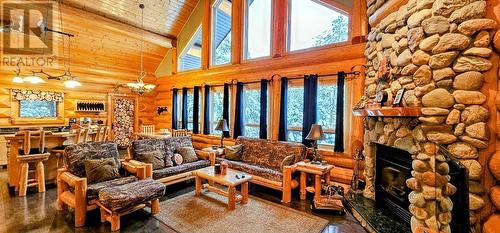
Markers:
<point>188,154</point>
<point>233,152</point>
<point>287,161</point>
<point>100,170</point>
<point>154,157</point>
<point>178,159</point>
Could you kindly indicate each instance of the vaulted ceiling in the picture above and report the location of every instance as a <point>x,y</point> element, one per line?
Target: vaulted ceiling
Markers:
<point>105,50</point>
<point>164,17</point>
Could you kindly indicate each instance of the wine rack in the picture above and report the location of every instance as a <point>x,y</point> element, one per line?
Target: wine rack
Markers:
<point>90,106</point>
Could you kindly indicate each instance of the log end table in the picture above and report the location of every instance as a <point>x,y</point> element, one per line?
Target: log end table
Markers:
<point>319,171</point>
<point>230,180</point>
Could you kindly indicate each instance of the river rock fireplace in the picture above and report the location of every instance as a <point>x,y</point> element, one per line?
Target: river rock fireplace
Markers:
<point>394,167</point>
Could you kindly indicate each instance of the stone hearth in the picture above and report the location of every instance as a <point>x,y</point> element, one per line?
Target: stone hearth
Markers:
<point>438,52</point>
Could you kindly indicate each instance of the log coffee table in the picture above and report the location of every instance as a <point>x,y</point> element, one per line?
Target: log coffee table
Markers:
<point>229,180</point>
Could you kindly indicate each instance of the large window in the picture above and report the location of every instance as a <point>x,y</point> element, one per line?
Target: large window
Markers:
<point>221,34</point>
<point>257,28</point>
<point>216,108</point>
<point>327,110</point>
<point>327,94</point>
<point>37,109</point>
<point>251,110</point>
<point>190,57</point>
<point>314,23</point>
<point>295,110</point>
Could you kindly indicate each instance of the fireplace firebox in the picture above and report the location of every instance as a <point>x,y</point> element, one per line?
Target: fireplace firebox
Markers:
<point>393,168</point>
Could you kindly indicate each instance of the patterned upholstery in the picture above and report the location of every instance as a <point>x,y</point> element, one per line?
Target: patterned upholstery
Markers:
<point>142,146</point>
<point>269,154</point>
<point>93,189</point>
<point>76,154</point>
<point>122,197</point>
<point>186,167</point>
<point>174,143</point>
<point>263,172</point>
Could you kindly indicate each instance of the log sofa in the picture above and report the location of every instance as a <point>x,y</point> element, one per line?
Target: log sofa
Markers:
<point>169,174</point>
<point>74,191</point>
<point>263,160</point>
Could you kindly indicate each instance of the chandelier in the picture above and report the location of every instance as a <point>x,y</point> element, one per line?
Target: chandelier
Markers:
<point>139,86</point>
<point>34,78</point>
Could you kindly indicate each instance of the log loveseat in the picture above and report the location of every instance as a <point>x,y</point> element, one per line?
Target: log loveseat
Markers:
<point>263,160</point>
<point>74,191</point>
<point>168,146</point>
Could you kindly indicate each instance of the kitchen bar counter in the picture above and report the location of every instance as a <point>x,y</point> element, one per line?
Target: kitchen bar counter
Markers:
<point>51,141</point>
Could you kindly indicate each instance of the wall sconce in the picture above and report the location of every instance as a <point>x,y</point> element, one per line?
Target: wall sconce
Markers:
<point>161,110</point>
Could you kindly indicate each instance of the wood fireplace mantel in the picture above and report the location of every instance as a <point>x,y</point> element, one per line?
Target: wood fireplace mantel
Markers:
<point>389,112</point>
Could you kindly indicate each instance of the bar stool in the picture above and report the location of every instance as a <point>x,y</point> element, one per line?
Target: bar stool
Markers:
<point>29,156</point>
<point>148,129</point>
<point>179,133</point>
<point>80,132</point>
<point>102,134</point>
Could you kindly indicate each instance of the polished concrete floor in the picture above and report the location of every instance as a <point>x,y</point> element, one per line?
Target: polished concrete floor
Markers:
<point>37,213</point>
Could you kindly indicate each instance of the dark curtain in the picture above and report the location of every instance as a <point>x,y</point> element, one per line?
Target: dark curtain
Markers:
<point>206,111</point>
<point>283,131</point>
<point>263,109</point>
<point>196,110</point>
<point>238,116</point>
<point>225,109</point>
<point>339,124</point>
<point>174,109</point>
<point>184,116</point>
<point>310,106</point>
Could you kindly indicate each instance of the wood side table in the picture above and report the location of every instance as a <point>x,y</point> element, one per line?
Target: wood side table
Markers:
<point>318,170</point>
<point>219,152</point>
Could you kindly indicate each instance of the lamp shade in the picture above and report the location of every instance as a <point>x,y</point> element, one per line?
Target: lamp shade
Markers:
<point>222,126</point>
<point>316,133</point>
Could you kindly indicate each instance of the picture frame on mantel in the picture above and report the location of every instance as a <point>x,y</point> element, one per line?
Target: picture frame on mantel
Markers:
<point>398,98</point>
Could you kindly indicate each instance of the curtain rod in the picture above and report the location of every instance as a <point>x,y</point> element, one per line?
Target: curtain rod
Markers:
<point>353,73</point>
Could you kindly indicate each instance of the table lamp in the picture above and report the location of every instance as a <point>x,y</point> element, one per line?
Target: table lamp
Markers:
<point>222,126</point>
<point>315,134</point>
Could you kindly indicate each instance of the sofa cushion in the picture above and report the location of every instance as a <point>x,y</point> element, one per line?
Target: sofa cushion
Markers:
<point>188,154</point>
<point>268,153</point>
<point>155,158</point>
<point>76,154</point>
<point>175,143</point>
<point>100,170</point>
<point>125,196</point>
<point>263,172</point>
<point>140,147</point>
<point>233,152</point>
<point>93,189</point>
<point>186,167</point>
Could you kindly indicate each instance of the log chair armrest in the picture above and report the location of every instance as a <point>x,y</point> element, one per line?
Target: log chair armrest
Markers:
<point>70,179</point>
<point>203,154</point>
<point>139,169</point>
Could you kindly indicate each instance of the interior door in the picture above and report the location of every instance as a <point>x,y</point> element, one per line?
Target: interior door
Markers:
<point>124,119</point>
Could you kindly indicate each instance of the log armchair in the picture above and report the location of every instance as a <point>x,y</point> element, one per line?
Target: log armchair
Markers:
<point>74,191</point>
<point>263,159</point>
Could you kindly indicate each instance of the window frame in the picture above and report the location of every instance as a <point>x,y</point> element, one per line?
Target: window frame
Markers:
<point>213,121</point>
<point>294,83</point>
<point>186,49</point>
<point>213,49</point>
<point>256,86</point>
<point>18,120</point>
<point>244,45</point>
<point>329,4</point>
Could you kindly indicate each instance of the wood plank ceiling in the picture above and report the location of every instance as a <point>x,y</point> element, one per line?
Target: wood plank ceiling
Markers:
<point>164,17</point>
<point>106,48</point>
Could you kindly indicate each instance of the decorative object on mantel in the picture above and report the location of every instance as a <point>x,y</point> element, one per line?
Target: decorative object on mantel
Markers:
<point>161,109</point>
<point>316,134</point>
<point>399,96</point>
<point>19,94</point>
<point>140,87</point>
<point>69,79</point>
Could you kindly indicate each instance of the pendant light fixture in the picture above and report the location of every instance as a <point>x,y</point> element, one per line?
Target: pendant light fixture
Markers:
<point>139,86</point>
<point>67,77</point>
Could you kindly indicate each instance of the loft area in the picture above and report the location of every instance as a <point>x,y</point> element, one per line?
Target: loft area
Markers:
<point>249,116</point>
